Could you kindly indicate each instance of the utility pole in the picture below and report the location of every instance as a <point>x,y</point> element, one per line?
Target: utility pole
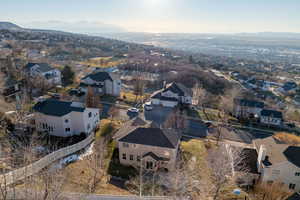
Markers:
<point>141,177</point>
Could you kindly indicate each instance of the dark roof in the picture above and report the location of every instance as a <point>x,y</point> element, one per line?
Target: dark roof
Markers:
<point>56,108</point>
<point>271,113</point>
<point>43,67</point>
<point>249,103</point>
<point>99,76</point>
<point>155,157</point>
<point>289,86</point>
<point>179,89</point>
<point>295,196</point>
<point>92,85</point>
<point>292,154</point>
<point>152,137</point>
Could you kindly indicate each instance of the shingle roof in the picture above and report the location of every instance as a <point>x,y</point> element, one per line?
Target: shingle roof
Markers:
<point>249,103</point>
<point>278,152</point>
<point>158,95</point>
<point>43,67</point>
<point>56,108</point>
<point>99,76</point>
<point>179,89</point>
<point>152,137</point>
<point>271,113</point>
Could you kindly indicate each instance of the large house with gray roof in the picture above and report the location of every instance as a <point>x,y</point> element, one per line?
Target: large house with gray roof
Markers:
<point>271,117</point>
<point>64,119</point>
<point>244,108</point>
<point>171,95</point>
<point>52,75</point>
<point>144,144</point>
<point>278,162</point>
<point>102,82</point>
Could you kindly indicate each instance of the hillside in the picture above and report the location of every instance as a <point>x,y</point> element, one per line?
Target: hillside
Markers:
<point>9,26</point>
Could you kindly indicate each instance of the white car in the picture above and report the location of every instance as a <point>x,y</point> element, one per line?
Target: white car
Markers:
<point>134,110</point>
<point>148,106</point>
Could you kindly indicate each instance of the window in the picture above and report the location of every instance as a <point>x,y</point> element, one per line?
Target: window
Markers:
<point>126,145</point>
<point>275,172</point>
<point>138,158</point>
<point>131,157</point>
<point>68,129</point>
<point>66,121</point>
<point>124,156</point>
<point>297,174</point>
<point>90,114</point>
<point>149,165</point>
<point>292,186</point>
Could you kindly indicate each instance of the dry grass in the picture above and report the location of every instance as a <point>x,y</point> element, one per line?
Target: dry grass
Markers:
<point>287,138</point>
<point>130,97</point>
<point>103,62</point>
<point>79,172</point>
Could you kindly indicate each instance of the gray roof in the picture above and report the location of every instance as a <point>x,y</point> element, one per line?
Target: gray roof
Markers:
<point>271,113</point>
<point>100,76</point>
<point>43,67</point>
<point>152,137</point>
<point>56,108</point>
<point>158,95</point>
<point>278,152</point>
<point>249,103</point>
<point>179,89</point>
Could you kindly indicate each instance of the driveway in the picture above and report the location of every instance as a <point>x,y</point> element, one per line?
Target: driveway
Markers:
<point>159,114</point>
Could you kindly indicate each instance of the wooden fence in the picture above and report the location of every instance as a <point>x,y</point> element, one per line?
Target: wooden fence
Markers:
<point>19,174</point>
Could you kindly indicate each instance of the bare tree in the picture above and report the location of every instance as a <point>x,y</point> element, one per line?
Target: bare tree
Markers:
<point>223,162</point>
<point>95,165</point>
<point>92,100</point>
<point>138,87</point>
<point>175,120</point>
<point>113,112</point>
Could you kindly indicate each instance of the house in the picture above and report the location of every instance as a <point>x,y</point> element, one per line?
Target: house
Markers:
<point>102,82</point>
<point>278,162</point>
<point>52,75</point>
<point>64,119</point>
<point>271,117</point>
<point>288,88</point>
<point>144,144</point>
<point>10,87</point>
<point>171,95</point>
<point>244,108</point>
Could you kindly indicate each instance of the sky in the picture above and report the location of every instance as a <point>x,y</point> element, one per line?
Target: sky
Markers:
<point>159,16</point>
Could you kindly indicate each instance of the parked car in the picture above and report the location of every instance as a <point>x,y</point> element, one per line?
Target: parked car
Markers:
<point>148,106</point>
<point>134,110</point>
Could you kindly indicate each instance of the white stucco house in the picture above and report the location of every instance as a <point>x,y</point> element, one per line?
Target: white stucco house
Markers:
<point>247,108</point>
<point>142,144</point>
<point>52,75</point>
<point>271,117</point>
<point>102,82</point>
<point>64,119</point>
<point>278,162</point>
<point>171,95</point>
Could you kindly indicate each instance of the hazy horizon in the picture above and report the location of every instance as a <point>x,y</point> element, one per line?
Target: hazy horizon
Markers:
<point>155,16</point>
